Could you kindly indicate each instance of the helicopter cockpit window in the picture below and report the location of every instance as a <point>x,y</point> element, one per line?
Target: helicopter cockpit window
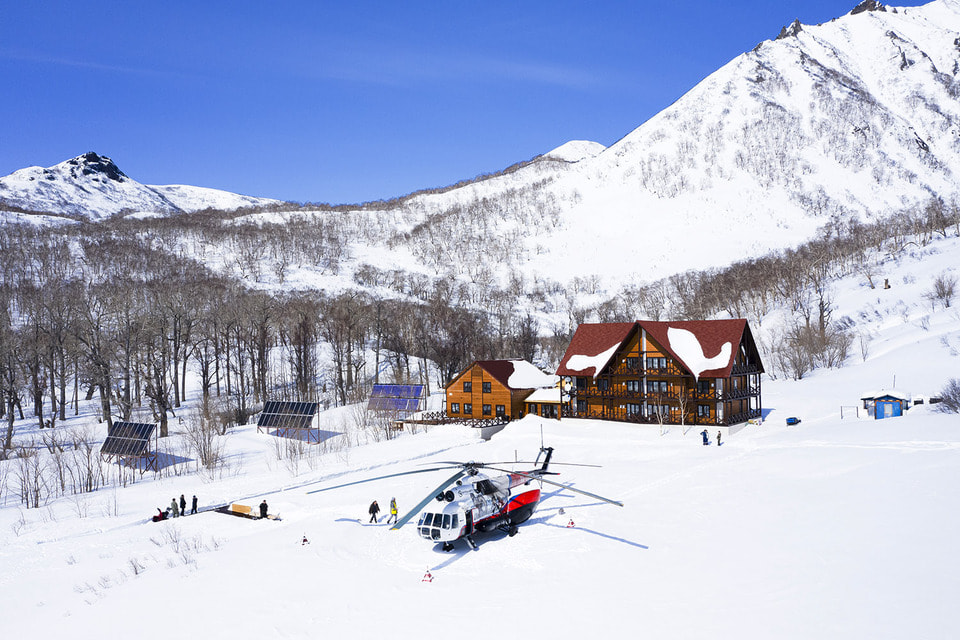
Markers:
<point>425,522</point>
<point>446,521</point>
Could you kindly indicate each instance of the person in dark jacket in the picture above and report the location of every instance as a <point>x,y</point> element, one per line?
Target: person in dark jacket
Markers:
<point>183,505</point>
<point>263,509</point>
<point>374,510</point>
<point>174,509</point>
<point>704,434</point>
<point>193,507</point>
<point>718,438</point>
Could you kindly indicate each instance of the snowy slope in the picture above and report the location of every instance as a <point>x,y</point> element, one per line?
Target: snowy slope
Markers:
<point>836,528</point>
<point>92,186</point>
<point>855,118</point>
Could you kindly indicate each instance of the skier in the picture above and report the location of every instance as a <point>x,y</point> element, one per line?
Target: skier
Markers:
<point>704,434</point>
<point>183,505</point>
<point>374,510</point>
<point>193,508</point>
<point>263,509</point>
<point>174,508</point>
<point>393,511</point>
<point>718,438</point>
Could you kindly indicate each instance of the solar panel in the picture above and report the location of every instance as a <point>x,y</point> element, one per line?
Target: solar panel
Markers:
<point>402,399</point>
<point>279,414</point>
<point>128,439</point>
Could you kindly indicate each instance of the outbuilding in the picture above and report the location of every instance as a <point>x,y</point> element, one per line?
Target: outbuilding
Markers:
<point>885,404</point>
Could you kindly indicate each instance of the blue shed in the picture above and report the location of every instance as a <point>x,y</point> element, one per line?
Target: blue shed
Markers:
<point>886,404</point>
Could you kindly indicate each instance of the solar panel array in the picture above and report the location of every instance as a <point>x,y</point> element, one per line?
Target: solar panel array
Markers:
<point>128,439</point>
<point>401,398</point>
<point>278,414</point>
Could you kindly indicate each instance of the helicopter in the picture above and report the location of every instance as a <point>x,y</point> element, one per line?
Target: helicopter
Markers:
<point>472,501</point>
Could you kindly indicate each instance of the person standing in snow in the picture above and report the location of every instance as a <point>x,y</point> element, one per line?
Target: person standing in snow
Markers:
<point>183,505</point>
<point>704,434</point>
<point>374,510</point>
<point>193,507</point>
<point>393,511</point>
<point>718,438</point>
<point>263,509</point>
<point>174,509</point>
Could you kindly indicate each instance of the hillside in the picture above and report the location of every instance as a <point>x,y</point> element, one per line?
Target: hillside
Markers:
<point>833,529</point>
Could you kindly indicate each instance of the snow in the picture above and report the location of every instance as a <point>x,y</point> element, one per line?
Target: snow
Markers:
<point>834,528</point>
<point>580,362</point>
<point>575,150</point>
<point>527,376</point>
<point>688,348</point>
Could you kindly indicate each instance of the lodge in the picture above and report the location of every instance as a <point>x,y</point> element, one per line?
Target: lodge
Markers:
<point>495,389</point>
<point>697,372</point>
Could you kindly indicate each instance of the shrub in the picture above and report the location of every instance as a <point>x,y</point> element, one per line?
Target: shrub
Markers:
<point>950,397</point>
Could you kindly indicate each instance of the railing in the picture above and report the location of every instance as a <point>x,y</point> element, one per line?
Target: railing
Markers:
<point>744,369</point>
<point>619,415</point>
<point>670,370</point>
<point>618,392</point>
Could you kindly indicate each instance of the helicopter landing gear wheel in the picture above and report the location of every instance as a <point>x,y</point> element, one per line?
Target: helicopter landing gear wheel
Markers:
<point>512,530</point>
<point>448,546</point>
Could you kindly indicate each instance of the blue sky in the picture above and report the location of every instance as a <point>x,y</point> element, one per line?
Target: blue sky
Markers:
<point>353,101</point>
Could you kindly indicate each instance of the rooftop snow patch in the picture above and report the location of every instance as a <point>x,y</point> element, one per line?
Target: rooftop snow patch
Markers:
<point>579,362</point>
<point>527,376</point>
<point>688,348</point>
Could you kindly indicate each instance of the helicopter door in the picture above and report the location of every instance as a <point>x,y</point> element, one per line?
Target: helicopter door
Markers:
<point>469,516</point>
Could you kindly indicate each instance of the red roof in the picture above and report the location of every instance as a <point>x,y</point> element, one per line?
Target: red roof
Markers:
<point>592,340</point>
<point>710,339</point>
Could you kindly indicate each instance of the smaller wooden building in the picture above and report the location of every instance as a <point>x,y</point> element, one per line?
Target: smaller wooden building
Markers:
<point>495,389</point>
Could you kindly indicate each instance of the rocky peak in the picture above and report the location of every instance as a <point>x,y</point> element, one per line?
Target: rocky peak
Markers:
<point>867,5</point>
<point>791,31</point>
<point>91,164</point>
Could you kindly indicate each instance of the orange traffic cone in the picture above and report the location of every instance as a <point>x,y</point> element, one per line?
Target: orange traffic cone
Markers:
<point>427,577</point>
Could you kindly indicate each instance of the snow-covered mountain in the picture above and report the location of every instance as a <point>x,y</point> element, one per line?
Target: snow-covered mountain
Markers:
<point>858,118</point>
<point>92,186</point>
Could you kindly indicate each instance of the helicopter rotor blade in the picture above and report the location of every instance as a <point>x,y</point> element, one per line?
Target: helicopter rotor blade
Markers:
<point>391,475</point>
<point>560,484</point>
<point>430,496</point>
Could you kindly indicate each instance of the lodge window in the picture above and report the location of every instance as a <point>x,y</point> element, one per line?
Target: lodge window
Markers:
<point>581,383</point>
<point>633,386</point>
<point>603,384</point>
<point>656,363</point>
<point>656,386</point>
<point>632,362</point>
<point>467,387</point>
<point>532,408</point>
<point>454,407</point>
<point>581,406</point>
<point>703,411</point>
<point>486,387</point>
<point>467,408</point>
<point>501,410</point>
<point>661,410</point>
<point>703,386</point>
<point>633,409</point>
<point>486,409</point>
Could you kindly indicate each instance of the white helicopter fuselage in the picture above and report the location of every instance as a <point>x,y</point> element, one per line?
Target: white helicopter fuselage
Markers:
<point>480,504</point>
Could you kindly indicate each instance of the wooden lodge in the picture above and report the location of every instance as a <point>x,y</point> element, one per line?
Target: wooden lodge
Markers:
<point>494,389</point>
<point>699,372</point>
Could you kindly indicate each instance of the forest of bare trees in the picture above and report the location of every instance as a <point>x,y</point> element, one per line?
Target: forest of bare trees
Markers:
<point>125,311</point>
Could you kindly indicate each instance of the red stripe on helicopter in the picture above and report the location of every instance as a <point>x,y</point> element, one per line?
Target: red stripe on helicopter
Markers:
<point>523,499</point>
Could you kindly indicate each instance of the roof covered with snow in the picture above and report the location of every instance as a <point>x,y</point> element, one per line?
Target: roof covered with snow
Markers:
<point>515,374</point>
<point>703,347</point>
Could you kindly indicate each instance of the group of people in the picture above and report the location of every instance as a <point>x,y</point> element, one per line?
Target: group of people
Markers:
<point>374,511</point>
<point>176,509</point>
<point>706,438</point>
